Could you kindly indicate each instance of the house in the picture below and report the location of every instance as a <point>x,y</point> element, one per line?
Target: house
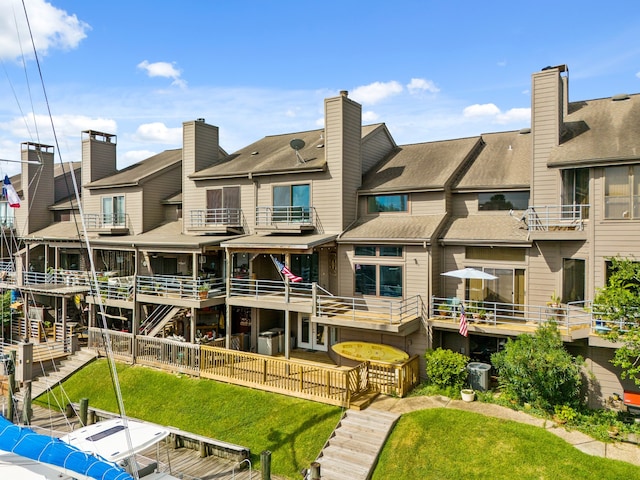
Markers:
<point>195,241</point>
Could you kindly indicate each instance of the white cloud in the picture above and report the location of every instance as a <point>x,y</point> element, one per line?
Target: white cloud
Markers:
<point>51,27</point>
<point>158,132</point>
<point>38,128</point>
<point>370,116</point>
<point>134,156</point>
<point>375,92</point>
<point>163,69</point>
<point>638,74</point>
<point>484,110</point>
<point>417,85</point>
<point>515,115</point>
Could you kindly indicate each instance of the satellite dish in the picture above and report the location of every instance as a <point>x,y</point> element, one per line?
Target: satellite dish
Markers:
<point>297,144</point>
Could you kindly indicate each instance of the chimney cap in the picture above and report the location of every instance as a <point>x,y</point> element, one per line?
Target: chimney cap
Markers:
<point>344,93</point>
<point>201,120</point>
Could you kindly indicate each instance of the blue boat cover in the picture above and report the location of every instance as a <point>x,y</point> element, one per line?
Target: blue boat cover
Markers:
<point>53,451</point>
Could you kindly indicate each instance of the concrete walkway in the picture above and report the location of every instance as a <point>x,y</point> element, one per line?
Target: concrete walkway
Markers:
<point>625,452</point>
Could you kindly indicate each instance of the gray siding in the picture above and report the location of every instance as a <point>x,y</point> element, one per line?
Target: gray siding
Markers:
<point>98,157</point>
<point>375,148</point>
<point>37,190</point>
<point>154,191</point>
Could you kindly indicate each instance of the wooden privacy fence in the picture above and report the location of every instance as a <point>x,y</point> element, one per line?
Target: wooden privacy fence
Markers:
<point>322,383</point>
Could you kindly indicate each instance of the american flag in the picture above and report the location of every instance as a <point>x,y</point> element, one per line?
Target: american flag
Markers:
<point>463,323</point>
<point>282,268</point>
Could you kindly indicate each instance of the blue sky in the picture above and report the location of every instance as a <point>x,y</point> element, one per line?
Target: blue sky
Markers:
<point>430,70</point>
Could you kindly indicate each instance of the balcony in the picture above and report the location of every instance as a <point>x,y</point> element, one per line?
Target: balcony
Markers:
<point>216,220</point>
<point>7,222</point>
<point>107,223</point>
<point>557,222</point>
<point>180,290</point>
<point>574,320</point>
<point>398,316</point>
<point>285,219</point>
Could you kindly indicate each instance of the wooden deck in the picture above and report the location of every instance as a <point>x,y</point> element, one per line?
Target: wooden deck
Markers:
<point>181,461</point>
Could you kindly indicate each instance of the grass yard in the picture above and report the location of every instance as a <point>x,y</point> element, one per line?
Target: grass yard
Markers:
<point>454,444</point>
<point>293,430</point>
<point>436,443</point>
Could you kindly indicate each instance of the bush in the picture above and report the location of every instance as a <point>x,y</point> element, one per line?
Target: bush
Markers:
<point>536,369</point>
<point>446,369</point>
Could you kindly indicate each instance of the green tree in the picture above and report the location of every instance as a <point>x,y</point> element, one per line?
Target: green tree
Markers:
<point>618,303</point>
<point>538,370</point>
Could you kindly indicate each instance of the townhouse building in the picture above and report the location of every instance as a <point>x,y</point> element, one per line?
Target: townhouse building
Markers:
<point>193,241</point>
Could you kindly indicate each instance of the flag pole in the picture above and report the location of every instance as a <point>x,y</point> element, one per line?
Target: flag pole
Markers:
<point>282,277</point>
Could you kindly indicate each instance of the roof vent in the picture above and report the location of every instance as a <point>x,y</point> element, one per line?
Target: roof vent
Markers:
<point>201,120</point>
<point>320,145</point>
<point>524,131</point>
<point>255,153</point>
<point>619,97</point>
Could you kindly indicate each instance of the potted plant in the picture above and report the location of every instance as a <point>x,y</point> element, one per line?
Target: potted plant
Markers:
<point>203,290</point>
<point>468,395</point>
<point>444,310</point>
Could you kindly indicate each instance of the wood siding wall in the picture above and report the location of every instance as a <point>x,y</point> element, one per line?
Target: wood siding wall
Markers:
<point>546,118</point>
<point>200,148</point>
<point>37,190</point>
<point>374,148</point>
<point>343,131</point>
<point>154,191</point>
<point>98,159</point>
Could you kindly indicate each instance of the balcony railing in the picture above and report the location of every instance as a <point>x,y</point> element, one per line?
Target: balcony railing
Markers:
<point>243,287</point>
<point>270,216</point>
<point>180,286</point>
<point>369,309</point>
<point>556,217</point>
<point>58,277</point>
<point>7,222</point>
<point>569,317</point>
<point>215,217</point>
<point>103,221</point>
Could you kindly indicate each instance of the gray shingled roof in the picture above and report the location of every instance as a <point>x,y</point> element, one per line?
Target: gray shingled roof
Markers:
<point>504,162</point>
<point>486,228</point>
<point>420,166</point>
<point>272,155</point>
<point>138,172</point>
<point>291,242</point>
<point>599,132</point>
<point>59,169</point>
<point>393,227</point>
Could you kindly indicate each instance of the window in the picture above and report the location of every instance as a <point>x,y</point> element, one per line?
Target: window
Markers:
<point>373,251</point>
<point>575,191</point>
<point>223,206</point>
<point>621,192</point>
<point>379,280</point>
<point>113,210</point>
<point>387,203</point>
<point>573,274</point>
<point>503,201</point>
<point>291,203</point>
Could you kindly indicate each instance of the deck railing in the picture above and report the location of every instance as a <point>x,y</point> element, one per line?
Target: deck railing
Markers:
<point>393,311</point>
<point>556,217</point>
<point>215,217</point>
<point>326,384</point>
<point>296,215</point>
<point>568,316</point>
<point>315,382</point>
<point>180,286</point>
<point>98,221</point>
<point>255,288</point>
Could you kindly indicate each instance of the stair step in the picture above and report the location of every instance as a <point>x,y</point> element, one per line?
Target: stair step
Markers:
<point>356,445</point>
<point>339,463</point>
<point>349,456</point>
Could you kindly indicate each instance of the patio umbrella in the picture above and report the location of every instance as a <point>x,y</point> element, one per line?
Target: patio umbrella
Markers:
<point>470,273</point>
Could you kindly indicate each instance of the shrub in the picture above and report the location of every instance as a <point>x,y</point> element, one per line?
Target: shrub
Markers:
<point>536,369</point>
<point>446,369</point>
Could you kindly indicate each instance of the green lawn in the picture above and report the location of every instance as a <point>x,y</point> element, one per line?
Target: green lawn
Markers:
<point>454,444</point>
<point>436,443</point>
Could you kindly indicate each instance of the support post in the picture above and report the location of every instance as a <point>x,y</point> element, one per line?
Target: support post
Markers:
<point>315,471</point>
<point>12,386</point>
<point>84,408</point>
<point>265,464</point>
<point>26,407</point>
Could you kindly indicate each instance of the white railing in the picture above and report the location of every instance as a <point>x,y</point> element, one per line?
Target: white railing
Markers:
<point>254,288</point>
<point>115,288</point>
<point>614,319</point>
<point>58,277</point>
<point>213,217</point>
<point>560,217</point>
<point>180,286</point>
<point>95,221</point>
<point>285,215</point>
<point>369,309</point>
<point>568,316</point>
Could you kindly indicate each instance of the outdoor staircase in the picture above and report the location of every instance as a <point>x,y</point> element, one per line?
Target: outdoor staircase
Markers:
<point>64,369</point>
<point>155,323</point>
<point>353,448</point>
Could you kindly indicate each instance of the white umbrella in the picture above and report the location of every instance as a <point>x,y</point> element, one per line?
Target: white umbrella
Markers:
<point>470,273</point>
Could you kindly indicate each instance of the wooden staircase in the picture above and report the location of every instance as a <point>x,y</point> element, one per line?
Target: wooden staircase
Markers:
<point>354,446</point>
<point>64,369</point>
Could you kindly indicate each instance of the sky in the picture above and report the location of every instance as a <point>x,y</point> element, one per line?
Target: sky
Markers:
<point>429,69</point>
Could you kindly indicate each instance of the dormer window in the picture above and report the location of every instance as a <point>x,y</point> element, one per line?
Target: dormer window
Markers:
<point>388,203</point>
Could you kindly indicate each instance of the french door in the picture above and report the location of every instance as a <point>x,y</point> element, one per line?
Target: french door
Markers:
<point>312,335</point>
